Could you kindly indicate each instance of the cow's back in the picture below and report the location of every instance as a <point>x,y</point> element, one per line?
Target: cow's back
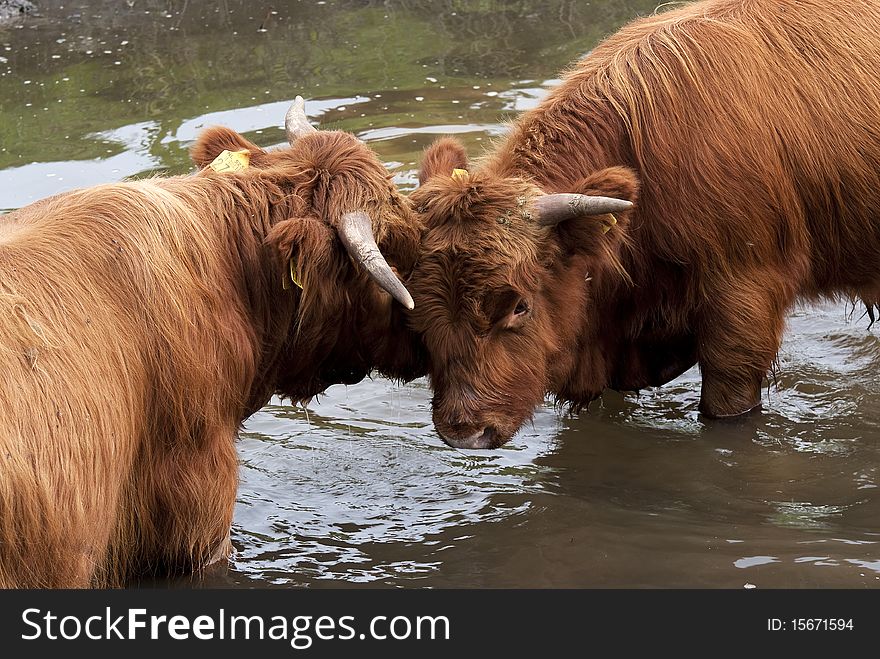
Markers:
<point>753,126</point>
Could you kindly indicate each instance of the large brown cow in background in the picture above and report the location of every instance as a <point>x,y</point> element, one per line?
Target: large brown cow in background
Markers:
<point>747,132</point>
<point>141,322</point>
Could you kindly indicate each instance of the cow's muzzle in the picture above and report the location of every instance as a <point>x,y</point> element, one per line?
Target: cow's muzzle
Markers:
<point>487,437</point>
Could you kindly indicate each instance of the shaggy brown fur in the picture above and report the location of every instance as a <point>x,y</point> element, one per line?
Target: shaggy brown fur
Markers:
<point>141,322</point>
<point>751,126</point>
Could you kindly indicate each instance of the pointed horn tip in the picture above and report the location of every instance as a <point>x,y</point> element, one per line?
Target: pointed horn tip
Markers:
<point>297,107</point>
<point>396,289</point>
<point>615,204</point>
<point>296,123</point>
<point>400,294</point>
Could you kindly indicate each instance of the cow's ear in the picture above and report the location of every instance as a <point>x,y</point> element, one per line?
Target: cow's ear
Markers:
<point>443,156</point>
<point>617,182</point>
<point>400,242</point>
<point>211,142</point>
<point>594,235</point>
<point>304,248</point>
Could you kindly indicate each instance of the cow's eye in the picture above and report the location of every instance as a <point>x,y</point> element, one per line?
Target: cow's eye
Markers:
<point>507,308</point>
<point>522,308</point>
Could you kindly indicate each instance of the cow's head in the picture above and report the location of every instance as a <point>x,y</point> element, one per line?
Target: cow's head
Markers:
<point>503,287</point>
<point>340,236</point>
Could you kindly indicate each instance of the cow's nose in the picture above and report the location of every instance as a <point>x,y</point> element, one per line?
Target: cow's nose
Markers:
<point>483,438</point>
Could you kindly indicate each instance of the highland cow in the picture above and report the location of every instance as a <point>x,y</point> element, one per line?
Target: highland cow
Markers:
<point>746,132</point>
<point>141,322</point>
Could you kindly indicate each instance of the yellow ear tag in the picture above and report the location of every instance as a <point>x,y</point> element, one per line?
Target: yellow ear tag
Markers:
<point>459,175</point>
<point>608,225</point>
<point>292,276</point>
<point>231,161</point>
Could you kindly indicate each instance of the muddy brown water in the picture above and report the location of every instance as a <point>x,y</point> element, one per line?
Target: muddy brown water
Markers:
<point>356,489</point>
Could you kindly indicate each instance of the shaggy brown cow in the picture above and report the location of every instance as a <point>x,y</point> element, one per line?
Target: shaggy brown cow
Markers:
<point>749,129</point>
<point>141,322</point>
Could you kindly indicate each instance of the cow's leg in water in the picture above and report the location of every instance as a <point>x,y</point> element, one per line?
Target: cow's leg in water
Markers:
<point>739,331</point>
<point>196,487</point>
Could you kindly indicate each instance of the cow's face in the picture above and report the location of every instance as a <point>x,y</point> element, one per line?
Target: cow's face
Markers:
<point>501,288</point>
<point>344,239</point>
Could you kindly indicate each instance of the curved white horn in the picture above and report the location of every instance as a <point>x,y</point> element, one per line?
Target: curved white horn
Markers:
<point>295,122</point>
<point>356,233</point>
